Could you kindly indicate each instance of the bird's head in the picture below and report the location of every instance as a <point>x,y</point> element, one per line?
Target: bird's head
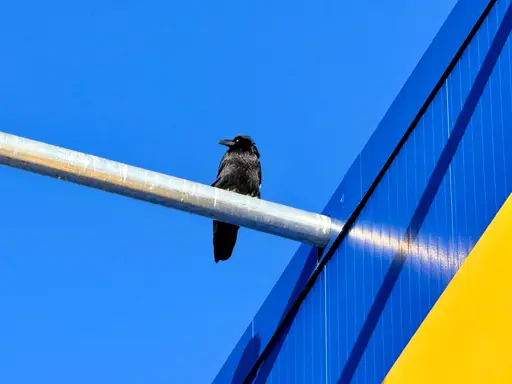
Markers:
<point>241,143</point>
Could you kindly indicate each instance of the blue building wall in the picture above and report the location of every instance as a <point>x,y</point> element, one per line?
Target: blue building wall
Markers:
<point>412,232</point>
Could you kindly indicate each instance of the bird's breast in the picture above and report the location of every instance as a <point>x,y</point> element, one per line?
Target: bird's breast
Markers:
<point>244,174</point>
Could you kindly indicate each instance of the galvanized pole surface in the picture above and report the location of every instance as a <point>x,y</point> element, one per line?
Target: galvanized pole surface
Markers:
<point>169,191</point>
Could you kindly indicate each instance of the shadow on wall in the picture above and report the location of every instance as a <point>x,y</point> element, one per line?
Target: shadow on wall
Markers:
<point>252,350</point>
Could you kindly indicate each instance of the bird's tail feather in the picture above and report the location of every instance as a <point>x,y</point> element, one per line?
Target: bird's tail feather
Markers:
<point>224,239</point>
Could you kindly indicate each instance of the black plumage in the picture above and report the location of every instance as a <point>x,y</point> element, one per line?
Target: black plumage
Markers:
<point>239,171</point>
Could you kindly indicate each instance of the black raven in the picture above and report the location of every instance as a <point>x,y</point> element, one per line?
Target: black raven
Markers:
<point>239,171</point>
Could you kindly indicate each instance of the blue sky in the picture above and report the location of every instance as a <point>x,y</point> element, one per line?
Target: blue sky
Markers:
<point>99,288</point>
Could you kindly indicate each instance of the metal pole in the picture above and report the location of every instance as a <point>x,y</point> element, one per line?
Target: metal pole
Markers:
<point>169,191</point>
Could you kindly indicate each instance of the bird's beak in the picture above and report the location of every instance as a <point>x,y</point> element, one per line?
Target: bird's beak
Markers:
<point>227,143</point>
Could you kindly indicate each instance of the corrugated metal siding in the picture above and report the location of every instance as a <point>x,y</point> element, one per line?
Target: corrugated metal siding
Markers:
<point>319,341</point>
<point>463,207</point>
<point>302,356</point>
<point>466,336</point>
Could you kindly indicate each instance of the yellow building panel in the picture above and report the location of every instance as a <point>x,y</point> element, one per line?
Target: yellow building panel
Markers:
<point>467,336</point>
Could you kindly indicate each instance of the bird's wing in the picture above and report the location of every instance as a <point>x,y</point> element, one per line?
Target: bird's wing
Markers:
<point>224,179</point>
<point>219,182</point>
<point>220,179</point>
<point>257,192</point>
<point>223,183</point>
<point>222,163</point>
